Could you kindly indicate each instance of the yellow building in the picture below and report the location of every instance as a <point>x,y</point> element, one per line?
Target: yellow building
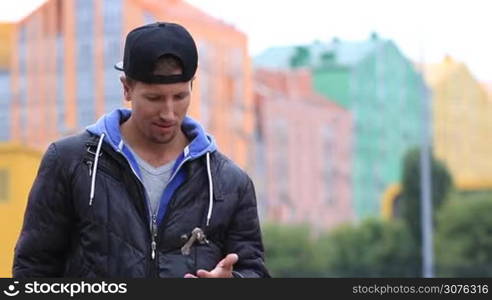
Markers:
<point>462,128</point>
<point>462,124</point>
<point>18,167</point>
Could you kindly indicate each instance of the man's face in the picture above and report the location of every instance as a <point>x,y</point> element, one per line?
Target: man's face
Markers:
<point>158,109</point>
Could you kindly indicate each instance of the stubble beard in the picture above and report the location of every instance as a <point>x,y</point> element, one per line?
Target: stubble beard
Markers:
<point>164,139</point>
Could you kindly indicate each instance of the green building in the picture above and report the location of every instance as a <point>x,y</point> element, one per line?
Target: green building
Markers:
<point>384,92</point>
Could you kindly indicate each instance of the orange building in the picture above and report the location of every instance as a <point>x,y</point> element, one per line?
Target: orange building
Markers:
<point>6,32</point>
<point>62,77</point>
<point>487,86</point>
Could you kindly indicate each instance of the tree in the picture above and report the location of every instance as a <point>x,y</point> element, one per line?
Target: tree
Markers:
<point>301,57</point>
<point>410,197</point>
<point>374,248</point>
<point>290,251</point>
<point>464,237</point>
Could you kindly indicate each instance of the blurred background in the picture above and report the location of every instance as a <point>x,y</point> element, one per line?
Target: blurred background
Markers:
<point>347,115</point>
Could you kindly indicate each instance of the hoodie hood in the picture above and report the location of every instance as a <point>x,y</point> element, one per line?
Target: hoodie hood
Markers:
<point>200,141</point>
<point>201,144</point>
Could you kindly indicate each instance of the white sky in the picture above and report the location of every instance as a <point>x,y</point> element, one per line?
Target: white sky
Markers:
<point>425,30</point>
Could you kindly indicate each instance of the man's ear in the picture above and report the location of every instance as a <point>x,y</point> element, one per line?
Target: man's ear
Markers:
<point>191,82</point>
<point>126,88</point>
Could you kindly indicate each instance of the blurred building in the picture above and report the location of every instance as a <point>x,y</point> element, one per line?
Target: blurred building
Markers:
<point>304,151</point>
<point>18,166</point>
<point>57,76</point>
<point>384,93</point>
<point>462,124</point>
<point>488,88</point>
<point>6,32</point>
<point>62,78</point>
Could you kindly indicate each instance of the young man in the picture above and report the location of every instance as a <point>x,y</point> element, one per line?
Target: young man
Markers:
<point>143,192</point>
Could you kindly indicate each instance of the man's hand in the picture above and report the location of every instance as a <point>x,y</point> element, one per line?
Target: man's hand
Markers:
<point>222,270</point>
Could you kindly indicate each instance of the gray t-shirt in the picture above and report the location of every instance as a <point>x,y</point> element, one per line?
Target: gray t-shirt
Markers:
<point>154,180</point>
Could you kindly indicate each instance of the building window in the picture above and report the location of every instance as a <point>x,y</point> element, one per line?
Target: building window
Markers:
<point>5,100</point>
<point>4,185</point>
<point>85,62</point>
<point>23,82</point>
<point>281,161</point>
<point>328,168</point>
<point>235,87</point>
<point>60,86</point>
<point>206,87</point>
<point>113,45</point>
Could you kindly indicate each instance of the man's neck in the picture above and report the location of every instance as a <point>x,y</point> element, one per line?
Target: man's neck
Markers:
<point>155,154</point>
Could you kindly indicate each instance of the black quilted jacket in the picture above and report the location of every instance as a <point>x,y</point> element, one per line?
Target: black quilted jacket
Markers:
<point>63,235</point>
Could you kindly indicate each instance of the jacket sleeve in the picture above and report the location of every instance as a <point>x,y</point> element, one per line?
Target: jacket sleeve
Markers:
<point>244,236</point>
<point>44,239</point>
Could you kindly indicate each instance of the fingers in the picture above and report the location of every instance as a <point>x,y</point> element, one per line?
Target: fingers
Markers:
<point>228,261</point>
<point>205,274</point>
<point>222,270</point>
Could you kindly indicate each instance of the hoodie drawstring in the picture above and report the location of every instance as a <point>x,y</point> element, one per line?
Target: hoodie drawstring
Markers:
<point>211,191</point>
<point>94,169</point>
<point>209,174</point>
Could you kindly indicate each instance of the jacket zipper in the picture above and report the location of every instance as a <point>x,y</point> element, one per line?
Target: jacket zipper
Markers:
<point>162,229</point>
<point>152,224</point>
<point>154,236</point>
<point>154,229</point>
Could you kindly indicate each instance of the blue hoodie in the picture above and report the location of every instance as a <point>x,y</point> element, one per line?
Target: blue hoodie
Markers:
<point>200,144</point>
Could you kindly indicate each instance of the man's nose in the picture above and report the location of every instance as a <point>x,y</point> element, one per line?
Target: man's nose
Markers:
<point>166,111</point>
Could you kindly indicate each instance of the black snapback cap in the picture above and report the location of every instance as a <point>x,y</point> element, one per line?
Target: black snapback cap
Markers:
<point>144,45</point>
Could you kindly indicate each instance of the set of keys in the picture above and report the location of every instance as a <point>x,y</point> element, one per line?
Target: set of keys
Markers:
<point>197,235</point>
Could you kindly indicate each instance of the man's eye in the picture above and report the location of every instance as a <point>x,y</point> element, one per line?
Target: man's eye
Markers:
<point>152,98</point>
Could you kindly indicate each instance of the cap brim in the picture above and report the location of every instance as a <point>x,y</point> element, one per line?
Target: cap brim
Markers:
<point>119,66</point>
